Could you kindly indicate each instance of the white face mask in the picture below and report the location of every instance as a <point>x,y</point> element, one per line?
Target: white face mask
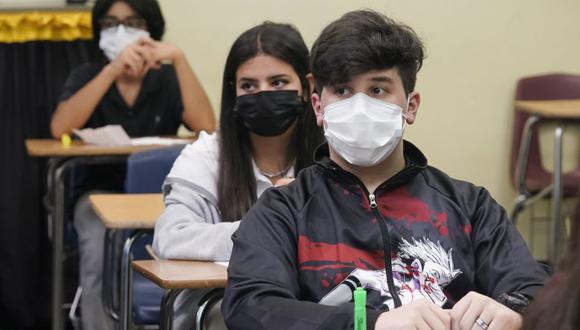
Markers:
<point>115,39</point>
<point>363,130</point>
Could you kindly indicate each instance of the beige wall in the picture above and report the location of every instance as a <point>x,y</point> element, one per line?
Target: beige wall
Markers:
<point>476,52</point>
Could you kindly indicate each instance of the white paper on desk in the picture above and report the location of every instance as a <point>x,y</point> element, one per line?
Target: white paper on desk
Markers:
<point>222,263</point>
<point>152,140</point>
<point>110,135</point>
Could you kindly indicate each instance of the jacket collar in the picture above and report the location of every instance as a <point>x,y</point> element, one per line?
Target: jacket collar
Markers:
<point>415,162</point>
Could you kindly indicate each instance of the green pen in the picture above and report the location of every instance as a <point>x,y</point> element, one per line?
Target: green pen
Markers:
<point>360,306</point>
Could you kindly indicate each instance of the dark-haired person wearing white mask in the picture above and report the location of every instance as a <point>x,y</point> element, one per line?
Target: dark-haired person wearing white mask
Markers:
<point>432,252</point>
<point>133,86</point>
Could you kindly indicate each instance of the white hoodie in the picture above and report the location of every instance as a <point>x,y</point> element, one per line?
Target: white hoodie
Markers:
<point>191,226</point>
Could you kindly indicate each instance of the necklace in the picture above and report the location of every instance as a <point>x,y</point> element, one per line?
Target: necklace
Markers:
<point>271,175</point>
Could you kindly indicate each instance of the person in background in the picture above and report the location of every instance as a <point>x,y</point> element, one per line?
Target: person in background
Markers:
<point>267,134</point>
<point>558,305</point>
<point>431,251</point>
<point>141,83</point>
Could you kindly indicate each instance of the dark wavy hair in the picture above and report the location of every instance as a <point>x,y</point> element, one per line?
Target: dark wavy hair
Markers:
<point>149,10</point>
<point>558,304</point>
<point>237,183</point>
<point>362,41</point>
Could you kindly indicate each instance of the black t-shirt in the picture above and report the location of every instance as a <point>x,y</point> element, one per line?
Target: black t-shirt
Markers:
<point>157,111</point>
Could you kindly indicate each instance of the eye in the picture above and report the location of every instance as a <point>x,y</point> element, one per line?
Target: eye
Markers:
<point>280,83</point>
<point>135,22</point>
<point>247,87</point>
<point>342,91</point>
<point>377,91</point>
<point>108,22</point>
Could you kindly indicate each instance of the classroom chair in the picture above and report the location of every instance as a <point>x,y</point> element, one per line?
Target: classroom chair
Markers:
<point>146,172</point>
<point>528,174</point>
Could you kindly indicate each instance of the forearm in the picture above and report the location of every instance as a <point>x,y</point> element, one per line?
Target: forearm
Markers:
<point>197,111</point>
<point>190,228</point>
<point>76,111</point>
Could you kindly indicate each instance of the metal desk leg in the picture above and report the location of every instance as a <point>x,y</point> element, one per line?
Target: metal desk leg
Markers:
<point>110,291</point>
<point>557,196</point>
<point>57,219</point>
<point>56,205</point>
<point>166,317</point>
<point>521,167</point>
<point>127,279</point>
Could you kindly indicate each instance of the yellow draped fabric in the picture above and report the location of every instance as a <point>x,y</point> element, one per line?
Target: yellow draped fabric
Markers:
<point>51,26</point>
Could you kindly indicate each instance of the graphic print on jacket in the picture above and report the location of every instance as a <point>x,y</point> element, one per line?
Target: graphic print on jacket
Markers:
<point>421,266</point>
<point>420,271</point>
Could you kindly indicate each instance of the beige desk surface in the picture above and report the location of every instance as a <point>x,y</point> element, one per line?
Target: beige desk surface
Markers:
<point>128,211</point>
<point>569,109</point>
<point>53,148</point>
<point>181,274</point>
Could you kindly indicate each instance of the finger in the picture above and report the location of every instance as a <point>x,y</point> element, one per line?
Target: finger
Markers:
<point>145,41</point>
<point>486,316</point>
<point>434,320</point>
<point>422,324</point>
<point>134,62</point>
<point>441,314</point>
<point>458,310</point>
<point>145,55</point>
<point>474,310</point>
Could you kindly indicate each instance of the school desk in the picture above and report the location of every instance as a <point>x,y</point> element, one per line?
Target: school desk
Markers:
<point>61,160</point>
<point>177,275</point>
<point>564,112</point>
<point>119,212</point>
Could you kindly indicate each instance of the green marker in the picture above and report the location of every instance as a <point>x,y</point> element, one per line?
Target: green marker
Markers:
<point>360,306</point>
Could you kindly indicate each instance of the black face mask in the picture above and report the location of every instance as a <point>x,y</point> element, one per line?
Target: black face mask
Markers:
<point>269,113</point>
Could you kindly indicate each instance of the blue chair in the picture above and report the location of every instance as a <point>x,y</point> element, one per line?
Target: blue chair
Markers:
<point>139,305</point>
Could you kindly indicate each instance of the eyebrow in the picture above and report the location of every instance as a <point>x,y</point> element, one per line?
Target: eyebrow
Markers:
<point>247,79</point>
<point>277,76</point>
<point>283,75</point>
<point>381,79</point>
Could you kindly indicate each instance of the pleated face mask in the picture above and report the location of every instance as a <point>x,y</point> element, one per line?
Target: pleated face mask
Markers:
<point>364,131</point>
<point>114,39</point>
<point>269,113</point>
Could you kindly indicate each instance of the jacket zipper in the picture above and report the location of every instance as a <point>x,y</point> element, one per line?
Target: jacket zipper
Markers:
<point>384,232</point>
<point>386,249</point>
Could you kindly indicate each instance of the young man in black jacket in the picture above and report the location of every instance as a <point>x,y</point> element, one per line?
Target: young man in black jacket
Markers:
<point>431,251</point>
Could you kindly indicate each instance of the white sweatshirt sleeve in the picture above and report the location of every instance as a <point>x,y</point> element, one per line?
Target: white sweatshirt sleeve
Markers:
<point>190,227</point>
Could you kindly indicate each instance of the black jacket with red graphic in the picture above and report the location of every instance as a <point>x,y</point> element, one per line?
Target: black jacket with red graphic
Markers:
<point>300,251</point>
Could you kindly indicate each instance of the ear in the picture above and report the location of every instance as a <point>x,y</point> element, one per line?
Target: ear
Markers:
<point>317,106</point>
<point>414,102</point>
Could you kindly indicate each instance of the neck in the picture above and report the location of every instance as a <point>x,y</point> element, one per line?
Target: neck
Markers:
<point>373,176</point>
<point>271,152</point>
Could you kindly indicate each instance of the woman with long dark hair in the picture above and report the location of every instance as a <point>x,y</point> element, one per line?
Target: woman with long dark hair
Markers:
<point>558,304</point>
<point>130,85</point>
<point>267,133</point>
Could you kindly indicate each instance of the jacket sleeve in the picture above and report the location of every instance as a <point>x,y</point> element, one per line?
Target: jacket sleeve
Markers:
<point>504,262</point>
<point>190,227</point>
<point>263,290</point>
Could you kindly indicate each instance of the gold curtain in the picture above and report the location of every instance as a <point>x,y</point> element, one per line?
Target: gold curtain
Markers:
<point>45,26</point>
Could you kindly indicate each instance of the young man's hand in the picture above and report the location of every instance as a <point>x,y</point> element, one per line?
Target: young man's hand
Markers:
<point>478,312</point>
<point>420,314</point>
<point>135,60</point>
